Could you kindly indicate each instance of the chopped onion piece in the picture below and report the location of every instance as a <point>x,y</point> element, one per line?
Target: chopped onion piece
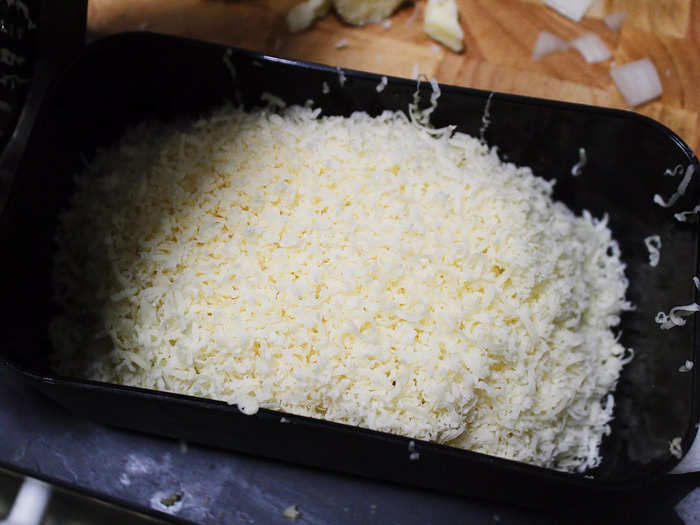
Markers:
<point>637,81</point>
<point>591,47</point>
<point>342,44</point>
<point>546,44</point>
<point>574,9</point>
<point>382,84</point>
<point>615,20</point>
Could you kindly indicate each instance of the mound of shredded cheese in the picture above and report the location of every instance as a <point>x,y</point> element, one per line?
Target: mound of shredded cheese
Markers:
<point>364,270</point>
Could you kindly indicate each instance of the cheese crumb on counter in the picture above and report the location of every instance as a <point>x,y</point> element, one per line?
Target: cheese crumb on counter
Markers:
<point>302,15</point>
<point>363,12</point>
<point>292,513</point>
<point>364,270</point>
<point>442,23</point>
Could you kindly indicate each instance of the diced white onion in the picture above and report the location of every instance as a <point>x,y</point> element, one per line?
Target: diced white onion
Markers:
<point>637,81</point>
<point>546,44</point>
<point>342,44</point>
<point>574,9</point>
<point>615,20</point>
<point>591,47</point>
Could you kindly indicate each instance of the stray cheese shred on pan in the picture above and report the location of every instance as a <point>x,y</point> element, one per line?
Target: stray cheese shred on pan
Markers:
<point>360,269</point>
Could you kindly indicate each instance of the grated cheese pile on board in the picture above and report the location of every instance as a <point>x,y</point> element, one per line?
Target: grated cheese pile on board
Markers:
<point>363,270</point>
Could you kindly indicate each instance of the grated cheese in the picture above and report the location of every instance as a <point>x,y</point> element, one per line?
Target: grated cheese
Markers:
<point>683,215</point>
<point>577,169</point>
<point>681,187</point>
<point>291,513</point>
<point>382,84</point>
<point>676,315</point>
<point>674,447</point>
<point>653,244</point>
<point>365,270</point>
<point>686,367</point>
<point>341,76</point>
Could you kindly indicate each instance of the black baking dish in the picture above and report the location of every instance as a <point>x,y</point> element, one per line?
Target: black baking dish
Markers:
<point>126,78</point>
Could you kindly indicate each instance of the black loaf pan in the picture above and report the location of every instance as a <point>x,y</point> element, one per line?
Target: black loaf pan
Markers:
<point>124,79</point>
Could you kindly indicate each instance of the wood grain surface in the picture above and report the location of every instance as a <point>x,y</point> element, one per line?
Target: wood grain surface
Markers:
<point>499,37</point>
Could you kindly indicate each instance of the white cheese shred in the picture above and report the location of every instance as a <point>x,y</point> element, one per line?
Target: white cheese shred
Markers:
<point>273,101</point>
<point>415,71</point>
<point>684,215</point>
<point>341,76</point>
<point>653,244</point>
<point>675,316</point>
<point>486,118</point>
<point>679,192</point>
<point>342,44</point>
<point>229,65</point>
<point>382,84</point>
<point>686,367</point>
<point>325,88</point>
<point>371,271</point>
<point>577,169</point>
<point>291,513</point>
<point>674,447</point>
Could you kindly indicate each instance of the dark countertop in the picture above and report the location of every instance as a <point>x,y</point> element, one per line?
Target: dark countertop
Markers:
<point>223,487</point>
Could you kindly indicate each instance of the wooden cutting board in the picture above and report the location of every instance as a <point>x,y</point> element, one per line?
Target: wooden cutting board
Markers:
<point>499,37</point>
